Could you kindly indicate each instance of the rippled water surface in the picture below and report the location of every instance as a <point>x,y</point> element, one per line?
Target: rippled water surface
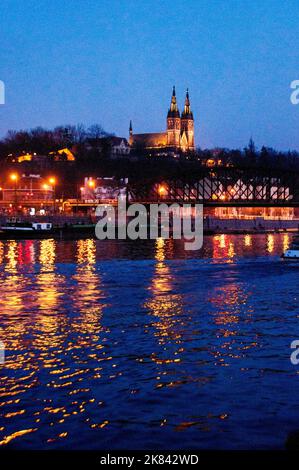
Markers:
<point>118,345</point>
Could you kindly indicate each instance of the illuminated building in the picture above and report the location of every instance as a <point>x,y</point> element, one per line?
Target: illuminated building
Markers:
<point>64,155</point>
<point>179,134</point>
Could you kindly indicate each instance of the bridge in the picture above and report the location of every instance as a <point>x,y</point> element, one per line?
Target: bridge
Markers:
<point>221,186</point>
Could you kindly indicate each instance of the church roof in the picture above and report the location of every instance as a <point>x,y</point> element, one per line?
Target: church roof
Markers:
<point>187,113</point>
<point>114,140</point>
<point>153,139</point>
<point>173,110</point>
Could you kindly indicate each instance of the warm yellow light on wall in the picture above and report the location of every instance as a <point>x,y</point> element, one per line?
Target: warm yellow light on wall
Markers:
<point>69,155</point>
<point>24,158</point>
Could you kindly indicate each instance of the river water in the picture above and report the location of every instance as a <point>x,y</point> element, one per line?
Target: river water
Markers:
<point>141,345</point>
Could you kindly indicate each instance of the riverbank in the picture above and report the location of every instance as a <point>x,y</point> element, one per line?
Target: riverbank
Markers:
<point>250,225</point>
<point>76,227</point>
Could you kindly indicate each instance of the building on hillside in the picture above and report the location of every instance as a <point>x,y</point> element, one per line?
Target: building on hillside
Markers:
<point>179,134</point>
<point>217,157</point>
<point>26,157</point>
<point>65,155</point>
<point>119,146</point>
<point>110,146</point>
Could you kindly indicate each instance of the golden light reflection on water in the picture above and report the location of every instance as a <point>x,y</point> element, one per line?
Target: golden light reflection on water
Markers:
<point>160,249</point>
<point>14,435</point>
<point>86,252</point>
<point>164,303</point>
<point>286,242</point>
<point>66,347</point>
<point>52,320</point>
<point>48,293</point>
<point>222,240</point>
<point>12,257</point>
<point>229,247</point>
<point>248,240</point>
<point>224,247</point>
<point>231,251</point>
<point>270,243</point>
<point>11,290</point>
<point>227,300</point>
<point>89,293</point>
<point>230,304</point>
<point>47,254</point>
<point>1,252</point>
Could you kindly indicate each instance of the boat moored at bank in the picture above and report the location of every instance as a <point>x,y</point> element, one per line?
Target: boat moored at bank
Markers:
<point>20,229</point>
<point>16,228</point>
<point>292,253</point>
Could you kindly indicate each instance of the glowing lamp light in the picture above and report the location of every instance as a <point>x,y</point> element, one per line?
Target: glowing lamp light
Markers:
<point>91,183</point>
<point>45,187</point>
<point>52,180</point>
<point>14,177</point>
<point>162,190</point>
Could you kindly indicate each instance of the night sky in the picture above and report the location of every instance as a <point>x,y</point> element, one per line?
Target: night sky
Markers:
<point>110,61</point>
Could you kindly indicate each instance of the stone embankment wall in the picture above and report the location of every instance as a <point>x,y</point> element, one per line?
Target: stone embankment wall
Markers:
<point>255,225</point>
<point>211,223</point>
<point>56,220</point>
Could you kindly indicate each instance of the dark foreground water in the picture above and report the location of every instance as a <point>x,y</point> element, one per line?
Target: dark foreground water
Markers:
<point>117,345</point>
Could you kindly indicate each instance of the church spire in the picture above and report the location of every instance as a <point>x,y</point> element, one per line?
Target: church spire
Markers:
<point>131,138</point>
<point>173,111</point>
<point>187,113</point>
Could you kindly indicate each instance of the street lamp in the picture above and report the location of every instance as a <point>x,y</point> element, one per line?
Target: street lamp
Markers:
<point>162,190</point>
<point>81,192</point>
<point>52,181</point>
<point>46,188</point>
<point>91,185</point>
<point>14,177</point>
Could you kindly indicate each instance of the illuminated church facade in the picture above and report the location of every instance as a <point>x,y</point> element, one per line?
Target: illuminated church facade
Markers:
<point>179,134</point>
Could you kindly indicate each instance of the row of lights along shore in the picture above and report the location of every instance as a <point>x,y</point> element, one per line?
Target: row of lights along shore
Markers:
<point>162,190</point>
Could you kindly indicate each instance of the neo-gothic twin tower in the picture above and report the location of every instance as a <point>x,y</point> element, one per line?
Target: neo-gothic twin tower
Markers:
<point>180,129</point>
<point>179,134</point>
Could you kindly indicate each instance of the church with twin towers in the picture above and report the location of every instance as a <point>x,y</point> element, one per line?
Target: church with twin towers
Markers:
<point>179,134</point>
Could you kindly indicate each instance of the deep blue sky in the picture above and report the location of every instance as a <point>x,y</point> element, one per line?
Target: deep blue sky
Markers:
<point>110,61</point>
